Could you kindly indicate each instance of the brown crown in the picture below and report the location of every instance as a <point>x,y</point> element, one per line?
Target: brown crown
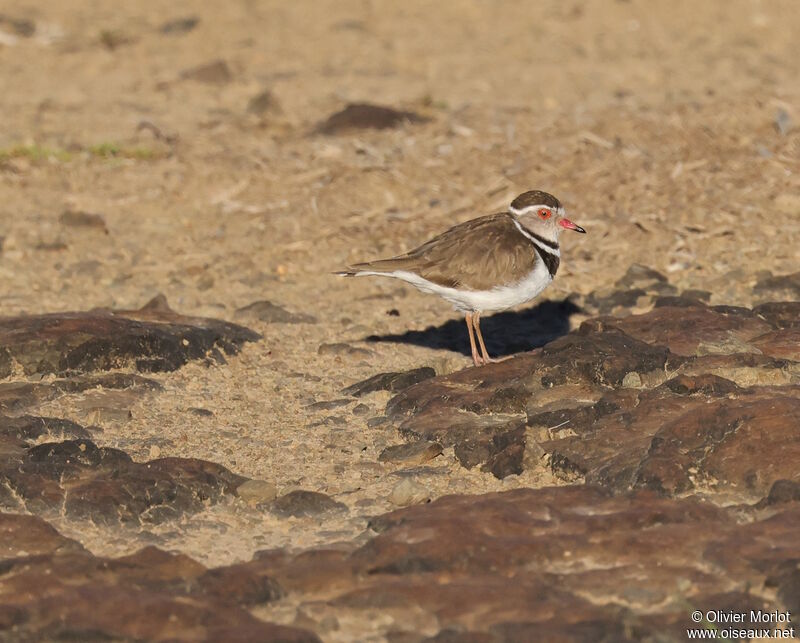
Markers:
<point>535,197</point>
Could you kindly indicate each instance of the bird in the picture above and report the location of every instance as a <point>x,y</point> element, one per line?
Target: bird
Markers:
<point>487,264</point>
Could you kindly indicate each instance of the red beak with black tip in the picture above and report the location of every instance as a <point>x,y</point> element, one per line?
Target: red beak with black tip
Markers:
<point>566,223</point>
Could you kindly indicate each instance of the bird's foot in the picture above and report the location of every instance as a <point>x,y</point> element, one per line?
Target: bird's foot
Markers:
<point>496,360</point>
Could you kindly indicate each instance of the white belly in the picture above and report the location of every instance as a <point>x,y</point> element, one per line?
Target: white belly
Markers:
<point>466,301</point>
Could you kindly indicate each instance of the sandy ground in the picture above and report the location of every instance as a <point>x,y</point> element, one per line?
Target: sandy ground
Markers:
<point>665,128</point>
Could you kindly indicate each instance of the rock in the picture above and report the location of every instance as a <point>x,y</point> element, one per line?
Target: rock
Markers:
<point>603,402</point>
<point>365,116</point>
<point>639,276</point>
<point>264,103</point>
<point>19,432</point>
<point>638,288</point>
<point>53,589</point>
<point>581,569</point>
<point>84,220</point>
<point>779,286</point>
<point>782,491</point>
<point>683,329</point>
<point>687,434</point>
<point>340,348</point>
<point>179,26</point>
<point>327,405</point>
<point>305,504</point>
<point>22,27</point>
<point>239,584</point>
<point>783,314</point>
<point>390,381</point>
<point>783,122</point>
<point>407,492</point>
<point>77,479</point>
<point>270,313</point>
<point>31,536</point>
<point>411,453</point>
<point>153,338</point>
<point>782,344</point>
<point>216,72</point>
<point>256,491</point>
<point>18,396</point>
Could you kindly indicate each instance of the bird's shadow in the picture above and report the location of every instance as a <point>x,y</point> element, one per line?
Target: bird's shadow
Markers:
<point>505,333</point>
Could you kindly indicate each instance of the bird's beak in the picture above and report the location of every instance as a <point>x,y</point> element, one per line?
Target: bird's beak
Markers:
<point>566,223</point>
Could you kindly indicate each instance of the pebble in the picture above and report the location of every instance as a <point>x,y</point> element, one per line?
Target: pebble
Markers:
<point>216,72</point>
<point>407,492</point>
<point>378,420</point>
<point>411,453</point>
<point>256,491</point>
<point>300,504</point>
<point>270,313</point>
<point>327,405</point>
<point>343,349</point>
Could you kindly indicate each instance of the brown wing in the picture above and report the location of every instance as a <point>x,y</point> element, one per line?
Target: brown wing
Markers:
<point>478,255</point>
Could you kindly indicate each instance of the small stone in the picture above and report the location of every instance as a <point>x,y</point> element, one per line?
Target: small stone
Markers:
<point>196,410</point>
<point>632,380</point>
<point>361,409</point>
<point>378,420</point>
<point>107,415</point>
<point>339,348</point>
<point>407,492</point>
<point>86,220</point>
<point>327,405</point>
<point>783,122</point>
<point>155,452</point>
<point>20,26</point>
<point>639,276</point>
<point>264,103</point>
<point>411,453</point>
<point>304,504</point>
<point>216,72</point>
<point>270,313</point>
<point>365,116</point>
<point>179,26</point>
<point>255,491</point>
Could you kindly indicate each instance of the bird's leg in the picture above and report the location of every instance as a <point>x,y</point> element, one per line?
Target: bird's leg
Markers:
<point>476,320</point>
<point>476,358</point>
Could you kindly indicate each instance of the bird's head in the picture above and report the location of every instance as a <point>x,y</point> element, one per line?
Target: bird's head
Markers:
<point>542,213</point>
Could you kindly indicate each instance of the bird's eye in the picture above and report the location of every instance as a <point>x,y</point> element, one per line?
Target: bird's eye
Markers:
<point>544,213</point>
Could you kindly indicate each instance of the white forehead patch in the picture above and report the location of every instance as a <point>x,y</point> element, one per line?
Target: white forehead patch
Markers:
<point>535,208</point>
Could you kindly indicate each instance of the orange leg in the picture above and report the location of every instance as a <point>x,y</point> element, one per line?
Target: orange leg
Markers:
<point>476,358</point>
<point>476,320</point>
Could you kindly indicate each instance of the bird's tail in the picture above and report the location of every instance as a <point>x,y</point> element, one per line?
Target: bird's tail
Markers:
<point>379,267</point>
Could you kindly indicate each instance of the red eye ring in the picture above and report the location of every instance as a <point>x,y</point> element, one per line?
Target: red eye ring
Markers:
<point>544,213</point>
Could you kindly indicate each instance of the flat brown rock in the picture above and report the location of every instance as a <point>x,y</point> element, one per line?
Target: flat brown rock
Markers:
<point>79,480</point>
<point>692,330</point>
<point>52,589</point>
<point>153,338</point>
<point>584,563</point>
<point>689,434</point>
<point>612,403</point>
<point>358,116</point>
